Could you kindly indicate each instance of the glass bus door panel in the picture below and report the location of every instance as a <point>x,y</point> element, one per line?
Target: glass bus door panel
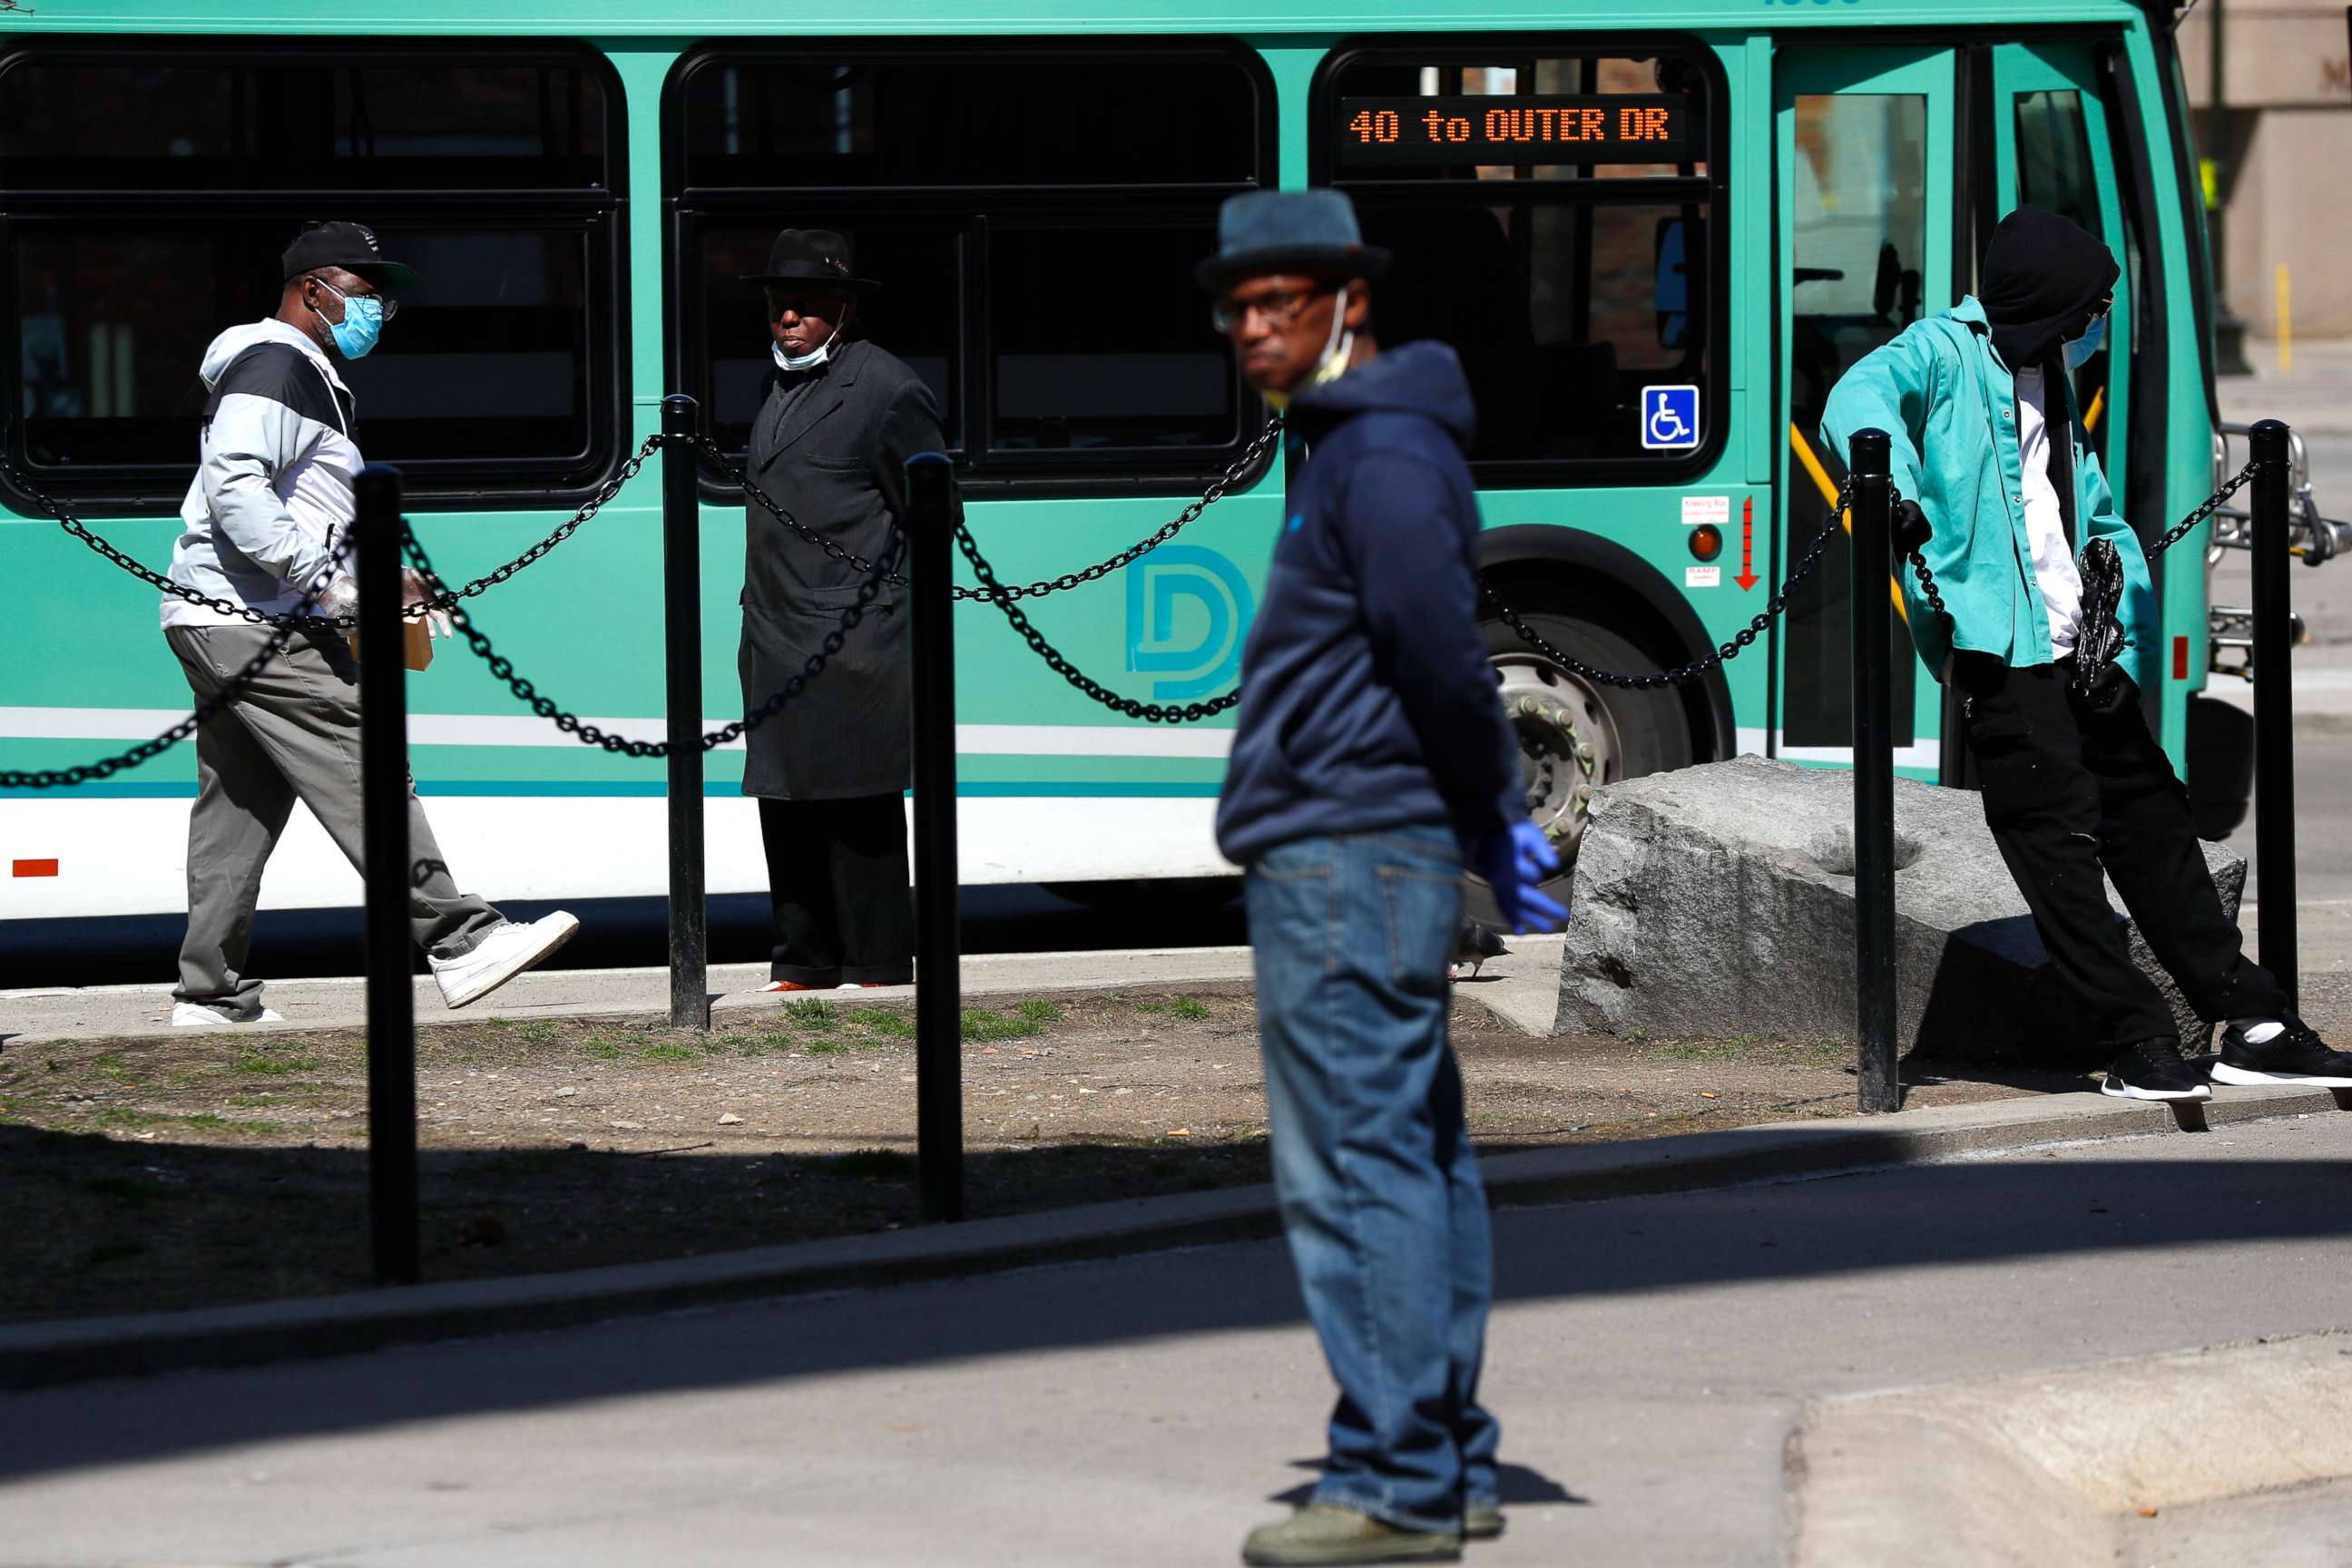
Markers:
<point>2050,150</point>
<point>1863,143</point>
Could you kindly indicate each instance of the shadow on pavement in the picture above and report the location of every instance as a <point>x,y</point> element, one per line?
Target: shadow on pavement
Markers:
<point>1944,1216</point>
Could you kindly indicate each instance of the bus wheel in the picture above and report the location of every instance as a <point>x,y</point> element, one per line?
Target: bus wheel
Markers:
<point>1574,735</point>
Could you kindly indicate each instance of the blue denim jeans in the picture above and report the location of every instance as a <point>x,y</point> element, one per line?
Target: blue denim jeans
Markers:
<point>1380,1191</point>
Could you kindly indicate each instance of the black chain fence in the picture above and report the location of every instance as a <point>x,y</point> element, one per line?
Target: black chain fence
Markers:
<point>996,592</point>
<point>1741,641</point>
<point>2170,537</point>
<point>590,734</point>
<point>298,623</point>
<point>875,575</point>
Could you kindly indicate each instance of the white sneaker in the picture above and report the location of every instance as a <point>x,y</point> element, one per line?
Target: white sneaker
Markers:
<point>506,951</point>
<point>201,1015</point>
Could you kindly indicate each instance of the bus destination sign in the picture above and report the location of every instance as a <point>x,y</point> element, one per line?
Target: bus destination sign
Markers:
<point>1611,128</point>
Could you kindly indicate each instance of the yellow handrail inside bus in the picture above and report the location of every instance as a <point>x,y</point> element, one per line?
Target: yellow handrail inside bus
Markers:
<point>1828,487</point>
<point>2098,407</point>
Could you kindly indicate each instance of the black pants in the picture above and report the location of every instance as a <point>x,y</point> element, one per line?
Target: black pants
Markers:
<point>837,881</point>
<point>2065,791</point>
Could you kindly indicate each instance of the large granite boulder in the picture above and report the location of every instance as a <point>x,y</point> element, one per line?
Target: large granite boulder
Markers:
<point>1718,900</point>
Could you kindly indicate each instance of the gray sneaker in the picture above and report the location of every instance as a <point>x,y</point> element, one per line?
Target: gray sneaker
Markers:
<point>1324,1533</point>
<point>1482,1521</point>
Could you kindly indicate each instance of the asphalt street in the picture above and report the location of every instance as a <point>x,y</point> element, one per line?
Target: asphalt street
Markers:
<point>1649,1359</point>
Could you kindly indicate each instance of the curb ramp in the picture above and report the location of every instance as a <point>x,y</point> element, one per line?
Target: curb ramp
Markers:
<point>2066,1469</point>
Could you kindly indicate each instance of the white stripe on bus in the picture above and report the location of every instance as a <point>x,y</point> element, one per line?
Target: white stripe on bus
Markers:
<point>514,730</point>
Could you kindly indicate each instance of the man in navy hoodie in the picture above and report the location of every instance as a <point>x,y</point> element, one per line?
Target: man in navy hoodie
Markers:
<point>1372,761</point>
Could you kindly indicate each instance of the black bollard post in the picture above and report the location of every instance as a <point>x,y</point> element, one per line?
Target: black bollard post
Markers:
<point>690,912</point>
<point>383,847</point>
<point>939,984</point>
<point>1874,776</point>
<point>2273,660</point>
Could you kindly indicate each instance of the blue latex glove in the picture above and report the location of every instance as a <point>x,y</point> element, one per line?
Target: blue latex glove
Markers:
<point>1513,863</point>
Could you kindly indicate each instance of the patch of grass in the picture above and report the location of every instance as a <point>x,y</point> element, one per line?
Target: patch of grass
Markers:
<point>252,1101</point>
<point>111,1065</point>
<point>1150,1007</point>
<point>1038,1010</point>
<point>1189,1007</point>
<point>1637,1033</point>
<point>810,1010</point>
<point>604,1048</point>
<point>205,1121</point>
<point>1743,1041</point>
<point>760,1045</point>
<point>884,1164</point>
<point>668,1051</point>
<point>888,1022</point>
<point>981,1026</point>
<point>123,1116</point>
<point>129,1191</point>
<point>268,1066</point>
<point>825,1045</point>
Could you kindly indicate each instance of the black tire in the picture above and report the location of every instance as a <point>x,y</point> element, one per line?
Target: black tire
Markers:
<point>1648,732</point>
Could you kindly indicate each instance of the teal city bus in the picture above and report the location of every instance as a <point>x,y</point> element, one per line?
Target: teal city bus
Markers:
<point>1656,234</point>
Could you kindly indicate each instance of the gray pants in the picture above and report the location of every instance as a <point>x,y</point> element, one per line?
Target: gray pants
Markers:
<point>293,734</point>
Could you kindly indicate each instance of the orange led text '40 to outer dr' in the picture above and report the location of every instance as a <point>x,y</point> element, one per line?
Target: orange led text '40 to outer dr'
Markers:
<point>1633,124</point>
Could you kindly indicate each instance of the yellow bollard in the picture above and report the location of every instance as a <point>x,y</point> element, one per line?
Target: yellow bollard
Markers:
<point>2285,325</point>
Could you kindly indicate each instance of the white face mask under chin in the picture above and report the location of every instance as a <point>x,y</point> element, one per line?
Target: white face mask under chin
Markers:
<point>809,360</point>
<point>1338,348</point>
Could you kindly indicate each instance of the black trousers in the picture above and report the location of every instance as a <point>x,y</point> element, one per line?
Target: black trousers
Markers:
<point>2067,791</point>
<point>837,883</point>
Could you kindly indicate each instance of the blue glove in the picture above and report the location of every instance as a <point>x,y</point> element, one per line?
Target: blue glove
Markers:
<point>1513,863</point>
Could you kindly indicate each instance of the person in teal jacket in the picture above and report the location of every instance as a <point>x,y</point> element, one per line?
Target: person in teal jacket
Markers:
<point>1989,456</point>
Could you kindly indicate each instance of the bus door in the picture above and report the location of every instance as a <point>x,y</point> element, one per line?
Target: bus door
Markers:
<point>2050,150</point>
<point>1864,170</point>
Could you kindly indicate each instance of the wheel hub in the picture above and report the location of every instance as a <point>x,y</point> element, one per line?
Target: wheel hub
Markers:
<point>1568,745</point>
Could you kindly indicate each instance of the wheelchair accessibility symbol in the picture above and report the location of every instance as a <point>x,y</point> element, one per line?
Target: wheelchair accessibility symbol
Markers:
<point>1669,417</point>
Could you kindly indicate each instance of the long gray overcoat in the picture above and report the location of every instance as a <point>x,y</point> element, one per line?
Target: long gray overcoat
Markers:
<point>835,458</point>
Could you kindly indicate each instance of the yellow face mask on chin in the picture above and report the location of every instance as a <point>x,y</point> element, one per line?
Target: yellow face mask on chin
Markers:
<point>1338,348</point>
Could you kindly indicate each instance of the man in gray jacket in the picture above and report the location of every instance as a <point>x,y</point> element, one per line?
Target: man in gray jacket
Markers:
<point>265,521</point>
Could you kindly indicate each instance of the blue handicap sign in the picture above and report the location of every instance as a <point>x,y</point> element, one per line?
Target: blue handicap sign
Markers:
<point>1669,417</point>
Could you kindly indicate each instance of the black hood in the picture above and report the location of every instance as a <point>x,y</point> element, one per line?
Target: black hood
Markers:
<point>2043,279</point>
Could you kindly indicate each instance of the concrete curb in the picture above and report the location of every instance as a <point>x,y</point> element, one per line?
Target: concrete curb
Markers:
<point>2075,1459</point>
<point>38,1355</point>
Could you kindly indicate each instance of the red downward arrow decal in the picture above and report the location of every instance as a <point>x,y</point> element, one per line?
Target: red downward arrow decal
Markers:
<point>1746,578</point>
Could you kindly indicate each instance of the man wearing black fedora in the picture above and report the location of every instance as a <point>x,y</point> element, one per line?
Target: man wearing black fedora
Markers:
<point>1372,763</point>
<point>829,446</point>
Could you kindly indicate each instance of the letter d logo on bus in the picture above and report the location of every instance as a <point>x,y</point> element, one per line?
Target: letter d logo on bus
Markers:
<point>1670,419</point>
<point>1187,612</point>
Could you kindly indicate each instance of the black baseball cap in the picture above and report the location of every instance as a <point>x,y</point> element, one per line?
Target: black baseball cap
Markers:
<point>349,245</point>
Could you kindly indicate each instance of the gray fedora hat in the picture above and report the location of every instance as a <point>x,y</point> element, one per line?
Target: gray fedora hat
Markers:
<point>1288,231</point>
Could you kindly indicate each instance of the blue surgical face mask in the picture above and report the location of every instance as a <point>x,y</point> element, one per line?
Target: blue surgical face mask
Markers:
<point>361,325</point>
<point>2081,350</point>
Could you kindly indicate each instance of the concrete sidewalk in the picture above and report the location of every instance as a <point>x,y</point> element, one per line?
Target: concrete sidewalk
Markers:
<point>1650,1358</point>
<point>1521,987</point>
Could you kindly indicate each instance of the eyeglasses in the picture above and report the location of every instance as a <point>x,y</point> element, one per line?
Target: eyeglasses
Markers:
<point>390,306</point>
<point>1277,311</point>
<point>823,306</point>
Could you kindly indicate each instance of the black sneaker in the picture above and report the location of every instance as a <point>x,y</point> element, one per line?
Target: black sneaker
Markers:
<point>2295,1055</point>
<point>2153,1069</point>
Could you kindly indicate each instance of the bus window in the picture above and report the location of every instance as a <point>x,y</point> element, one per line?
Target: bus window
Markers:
<point>493,377</point>
<point>1569,278</point>
<point>2054,157</point>
<point>1855,180</point>
<point>1032,212</point>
